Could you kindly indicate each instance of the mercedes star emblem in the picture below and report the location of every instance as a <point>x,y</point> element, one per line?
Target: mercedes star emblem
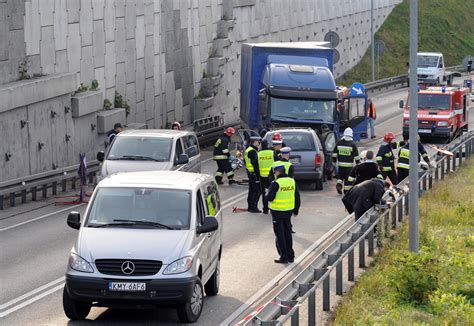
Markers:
<point>128,267</point>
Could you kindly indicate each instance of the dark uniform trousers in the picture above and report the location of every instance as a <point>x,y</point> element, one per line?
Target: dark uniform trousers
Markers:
<point>254,191</point>
<point>264,185</point>
<point>224,167</point>
<point>402,174</point>
<point>392,175</point>
<point>284,239</point>
<point>343,174</point>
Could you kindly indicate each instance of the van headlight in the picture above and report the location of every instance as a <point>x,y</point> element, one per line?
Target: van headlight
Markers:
<point>79,264</point>
<point>179,266</point>
<point>442,123</point>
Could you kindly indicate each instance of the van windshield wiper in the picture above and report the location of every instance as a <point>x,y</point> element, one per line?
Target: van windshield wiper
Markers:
<point>146,223</point>
<point>138,158</point>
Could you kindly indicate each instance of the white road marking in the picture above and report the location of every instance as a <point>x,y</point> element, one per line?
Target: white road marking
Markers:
<point>39,218</point>
<point>267,287</point>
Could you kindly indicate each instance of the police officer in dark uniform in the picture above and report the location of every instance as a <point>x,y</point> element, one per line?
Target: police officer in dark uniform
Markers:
<point>285,161</point>
<point>265,163</point>
<point>366,170</point>
<point>253,173</point>
<point>284,199</point>
<point>345,153</point>
<point>386,159</point>
<point>404,158</point>
<point>221,156</point>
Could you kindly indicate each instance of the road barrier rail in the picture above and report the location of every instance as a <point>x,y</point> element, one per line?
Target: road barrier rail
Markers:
<point>286,305</point>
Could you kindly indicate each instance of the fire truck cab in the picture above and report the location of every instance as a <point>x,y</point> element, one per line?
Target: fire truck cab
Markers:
<point>442,112</point>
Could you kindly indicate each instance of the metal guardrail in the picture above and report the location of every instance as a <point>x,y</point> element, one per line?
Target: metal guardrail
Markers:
<point>286,305</point>
<point>401,80</point>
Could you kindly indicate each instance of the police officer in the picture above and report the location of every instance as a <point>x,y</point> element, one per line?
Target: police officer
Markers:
<point>221,156</point>
<point>404,158</point>
<point>386,159</point>
<point>345,153</point>
<point>265,163</point>
<point>277,143</point>
<point>284,199</point>
<point>211,202</point>
<point>253,173</point>
<point>366,170</point>
<point>285,161</point>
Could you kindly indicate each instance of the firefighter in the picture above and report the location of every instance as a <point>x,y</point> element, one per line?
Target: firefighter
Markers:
<point>371,117</point>
<point>345,153</point>
<point>364,195</point>
<point>403,167</point>
<point>222,155</point>
<point>277,143</point>
<point>386,159</point>
<point>176,126</point>
<point>265,163</point>
<point>253,173</point>
<point>366,170</point>
<point>284,199</point>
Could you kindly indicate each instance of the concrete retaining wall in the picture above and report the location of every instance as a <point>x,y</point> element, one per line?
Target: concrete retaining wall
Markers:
<point>170,59</point>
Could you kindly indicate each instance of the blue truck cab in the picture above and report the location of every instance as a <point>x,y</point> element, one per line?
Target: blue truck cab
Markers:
<point>292,85</point>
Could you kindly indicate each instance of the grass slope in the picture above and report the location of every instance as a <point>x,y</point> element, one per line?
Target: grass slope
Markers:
<point>435,287</point>
<point>445,26</point>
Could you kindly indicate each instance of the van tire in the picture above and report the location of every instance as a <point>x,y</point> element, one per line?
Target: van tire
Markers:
<point>318,184</point>
<point>75,310</point>
<point>212,286</point>
<point>189,312</point>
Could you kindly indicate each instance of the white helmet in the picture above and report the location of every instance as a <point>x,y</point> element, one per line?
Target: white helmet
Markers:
<point>348,133</point>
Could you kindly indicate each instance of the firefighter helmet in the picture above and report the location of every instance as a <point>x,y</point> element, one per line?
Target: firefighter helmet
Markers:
<point>176,126</point>
<point>277,138</point>
<point>229,131</point>
<point>389,136</point>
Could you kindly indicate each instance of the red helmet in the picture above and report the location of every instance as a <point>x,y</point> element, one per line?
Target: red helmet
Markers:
<point>177,125</point>
<point>389,136</point>
<point>277,138</point>
<point>229,131</point>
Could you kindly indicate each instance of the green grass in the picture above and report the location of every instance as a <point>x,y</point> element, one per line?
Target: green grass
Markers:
<point>445,26</point>
<point>435,287</point>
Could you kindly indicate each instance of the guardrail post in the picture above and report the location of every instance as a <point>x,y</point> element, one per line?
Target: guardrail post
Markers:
<point>63,185</point>
<point>362,253</point>
<point>1,202</point>
<point>430,179</point>
<point>12,199</point>
<point>339,285</point>
<point>443,168</point>
<point>312,308</point>
<point>436,172</point>
<point>295,318</point>
<point>424,181</point>
<point>326,302</point>
<point>45,191</point>
<point>371,243</point>
<point>23,196</point>
<point>350,266</point>
<point>400,211</point>
<point>448,164</point>
<point>55,188</point>
<point>460,156</point>
<point>33,193</point>
<point>393,215</point>
<point>454,162</point>
<point>407,203</point>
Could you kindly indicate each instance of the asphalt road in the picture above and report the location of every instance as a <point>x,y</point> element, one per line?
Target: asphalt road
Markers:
<point>35,243</point>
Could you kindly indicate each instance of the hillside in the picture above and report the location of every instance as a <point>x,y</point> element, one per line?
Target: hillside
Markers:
<point>445,26</point>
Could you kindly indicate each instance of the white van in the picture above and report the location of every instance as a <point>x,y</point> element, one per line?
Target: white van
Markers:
<point>146,238</point>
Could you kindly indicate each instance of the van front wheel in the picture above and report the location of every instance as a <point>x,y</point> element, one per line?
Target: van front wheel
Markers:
<point>75,310</point>
<point>190,311</point>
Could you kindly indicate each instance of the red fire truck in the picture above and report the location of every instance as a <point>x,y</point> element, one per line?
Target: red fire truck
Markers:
<point>442,112</point>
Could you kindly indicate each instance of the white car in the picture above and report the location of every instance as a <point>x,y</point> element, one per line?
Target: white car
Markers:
<point>146,239</point>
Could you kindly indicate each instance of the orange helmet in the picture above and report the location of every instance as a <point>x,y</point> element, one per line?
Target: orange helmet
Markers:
<point>176,125</point>
<point>277,138</point>
<point>389,136</point>
<point>229,131</point>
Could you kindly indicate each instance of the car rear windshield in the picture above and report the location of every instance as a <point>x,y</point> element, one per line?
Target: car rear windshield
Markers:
<point>141,208</point>
<point>141,148</point>
<point>299,142</point>
<point>433,101</point>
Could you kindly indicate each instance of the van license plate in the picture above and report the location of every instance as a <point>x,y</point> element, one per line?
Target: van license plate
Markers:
<point>424,131</point>
<point>295,160</point>
<point>127,287</point>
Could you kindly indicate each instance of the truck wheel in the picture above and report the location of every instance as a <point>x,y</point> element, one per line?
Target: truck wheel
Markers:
<point>75,310</point>
<point>318,184</point>
<point>212,286</point>
<point>190,312</point>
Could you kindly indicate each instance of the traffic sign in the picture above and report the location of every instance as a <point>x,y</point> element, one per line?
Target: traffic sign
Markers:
<point>357,89</point>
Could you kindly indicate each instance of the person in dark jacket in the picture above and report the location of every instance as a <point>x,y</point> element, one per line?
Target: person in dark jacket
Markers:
<point>386,159</point>
<point>403,167</point>
<point>221,155</point>
<point>111,135</point>
<point>346,155</point>
<point>253,173</point>
<point>284,199</point>
<point>262,132</point>
<point>366,170</point>
<point>364,196</point>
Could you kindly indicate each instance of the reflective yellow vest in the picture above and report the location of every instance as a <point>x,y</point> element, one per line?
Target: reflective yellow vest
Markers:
<point>286,164</point>
<point>248,163</point>
<point>210,206</point>
<point>265,162</point>
<point>285,197</point>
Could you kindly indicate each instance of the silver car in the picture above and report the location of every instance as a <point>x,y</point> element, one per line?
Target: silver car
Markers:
<point>146,239</point>
<point>151,150</point>
<point>307,153</point>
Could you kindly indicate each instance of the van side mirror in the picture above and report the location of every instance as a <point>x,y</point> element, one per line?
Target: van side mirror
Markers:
<point>100,156</point>
<point>182,159</point>
<point>74,220</point>
<point>210,224</point>
<point>262,101</point>
<point>401,105</point>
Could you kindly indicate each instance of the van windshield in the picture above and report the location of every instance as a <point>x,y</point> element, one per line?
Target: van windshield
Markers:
<point>433,102</point>
<point>141,148</point>
<point>427,61</point>
<point>140,208</point>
